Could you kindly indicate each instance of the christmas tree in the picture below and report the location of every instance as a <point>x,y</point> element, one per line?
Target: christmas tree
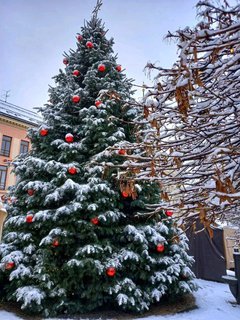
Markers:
<point>76,237</point>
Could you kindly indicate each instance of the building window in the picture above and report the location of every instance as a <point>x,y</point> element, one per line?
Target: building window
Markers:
<point>24,146</point>
<point>3,177</point>
<point>6,146</point>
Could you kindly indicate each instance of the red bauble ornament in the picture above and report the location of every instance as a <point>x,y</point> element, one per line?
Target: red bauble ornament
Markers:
<point>9,265</point>
<point>79,37</point>
<point>111,271</point>
<point>121,151</point>
<point>101,67</point>
<point>30,192</point>
<point>65,61</point>
<point>55,243</point>
<point>72,170</point>
<point>125,194</point>
<point>169,213</point>
<point>29,218</point>
<point>160,247</point>
<point>89,45</point>
<point>76,73</point>
<point>69,137</point>
<point>76,99</point>
<point>44,132</point>
<point>98,103</point>
<point>119,68</point>
<point>95,220</point>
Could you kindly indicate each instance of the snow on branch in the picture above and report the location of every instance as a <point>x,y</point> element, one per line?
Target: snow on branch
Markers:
<point>191,144</point>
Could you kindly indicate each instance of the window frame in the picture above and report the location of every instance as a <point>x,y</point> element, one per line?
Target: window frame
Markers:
<point>3,186</point>
<point>6,152</point>
<point>22,142</point>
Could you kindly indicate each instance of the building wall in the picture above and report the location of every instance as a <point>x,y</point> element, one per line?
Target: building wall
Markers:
<point>17,130</point>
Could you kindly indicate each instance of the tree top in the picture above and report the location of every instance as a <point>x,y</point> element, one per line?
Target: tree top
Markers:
<point>96,9</point>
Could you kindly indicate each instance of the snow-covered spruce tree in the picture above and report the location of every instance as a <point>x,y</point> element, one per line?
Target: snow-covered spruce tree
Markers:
<point>72,241</point>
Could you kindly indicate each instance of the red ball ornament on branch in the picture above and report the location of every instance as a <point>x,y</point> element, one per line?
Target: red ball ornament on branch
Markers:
<point>55,243</point>
<point>98,103</point>
<point>95,220</point>
<point>101,67</point>
<point>69,137</point>
<point>89,45</point>
<point>122,152</point>
<point>160,247</point>
<point>29,218</point>
<point>169,213</point>
<point>65,61</point>
<point>43,132</point>
<point>76,99</point>
<point>119,68</point>
<point>72,170</point>
<point>9,265</point>
<point>76,73</point>
<point>125,194</point>
<point>79,37</point>
<point>31,192</point>
<point>111,271</point>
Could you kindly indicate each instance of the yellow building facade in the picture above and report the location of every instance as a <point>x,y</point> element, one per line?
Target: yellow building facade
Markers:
<point>14,123</point>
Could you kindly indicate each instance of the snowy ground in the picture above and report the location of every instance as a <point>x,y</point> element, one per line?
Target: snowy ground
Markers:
<point>214,300</point>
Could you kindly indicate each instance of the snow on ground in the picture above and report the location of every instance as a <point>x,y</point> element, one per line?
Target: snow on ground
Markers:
<point>4,315</point>
<point>214,300</point>
<point>214,303</point>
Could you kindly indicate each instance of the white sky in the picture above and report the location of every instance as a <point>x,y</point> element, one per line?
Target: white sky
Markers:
<point>35,33</point>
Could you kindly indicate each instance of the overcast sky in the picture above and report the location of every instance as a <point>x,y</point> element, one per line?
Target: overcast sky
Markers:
<point>35,33</point>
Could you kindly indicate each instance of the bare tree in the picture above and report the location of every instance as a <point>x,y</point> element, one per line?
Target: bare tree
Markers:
<point>190,135</point>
